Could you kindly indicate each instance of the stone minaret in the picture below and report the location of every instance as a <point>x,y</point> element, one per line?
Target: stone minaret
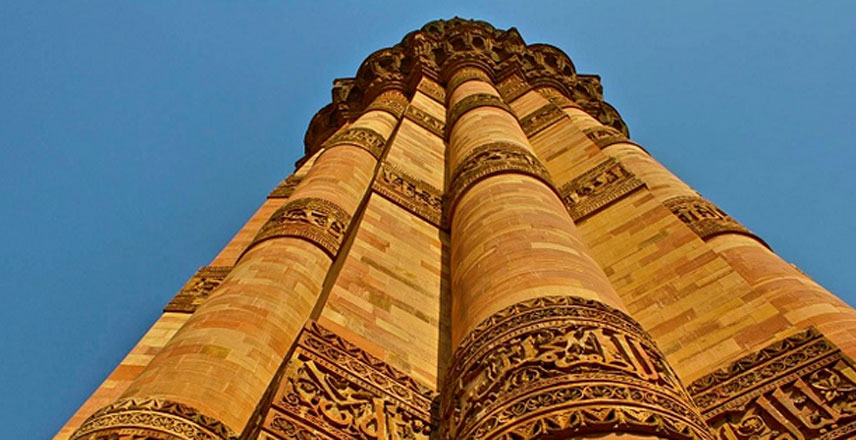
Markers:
<point>473,248</point>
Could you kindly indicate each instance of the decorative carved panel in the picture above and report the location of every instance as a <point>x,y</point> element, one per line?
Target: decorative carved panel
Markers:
<point>412,194</point>
<point>466,74</point>
<point>392,102</point>
<point>563,367</point>
<point>556,97</point>
<point>704,218</point>
<point>604,136</point>
<point>426,121</point>
<point>494,158</point>
<point>197,289</point>
<point>541,118</point>
<point>332,389</point>
<point>597,188</point>
<point>433,90</point>
<point>286,188</point>
<point>513,88</point>
<point>365,138</point>
<point>799,388</point>
<point>317,220</point>
<point>151,419</point>
<point>473,101</point>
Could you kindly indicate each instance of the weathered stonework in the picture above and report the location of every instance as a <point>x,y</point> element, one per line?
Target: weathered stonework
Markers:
<point>285,188</point>
<point>433,90</point>
<point>512,88</point>
<point>704,218</point>
<point>801,387</point>
<point>316,220</point>
<point>541,118</point>
<point>604,136</point>
<point>331,389</point>
<point>563,367</point>
<point>197,289</point>
<point>365,138</point>
<point>426,121</point>
<point>410,193</point>
<point>472,102</point>
<point>597,188</point>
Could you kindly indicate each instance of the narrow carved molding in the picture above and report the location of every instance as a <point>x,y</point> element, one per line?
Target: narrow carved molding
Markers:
<point>604,136</point>
<point>541,119</point>
<point>494,158</point>
<point>470,102</point>
<point>563,367</point>
<point>317,220</point>
<point>393,103</point>
<point>426,121</point>
<point>597,188</point>
<point>464,75</point>
<point>556,97</point>
<point>801,387</point>
<point>433,91</point>
<point>197,289</point>
<point>157,419</point>
<point>410,193</point>
<point>513,88</point>
<point>705,218</point>
<point>362,137</point>
<point>332,389</point>
<point>285,188</point>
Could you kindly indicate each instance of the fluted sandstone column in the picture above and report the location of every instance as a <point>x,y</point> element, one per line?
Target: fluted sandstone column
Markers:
<point>543,348</point>
<point>222,360</point>
<point>783,298</point>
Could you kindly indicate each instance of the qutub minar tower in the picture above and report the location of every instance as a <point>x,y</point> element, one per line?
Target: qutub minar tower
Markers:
<point>473,248</point>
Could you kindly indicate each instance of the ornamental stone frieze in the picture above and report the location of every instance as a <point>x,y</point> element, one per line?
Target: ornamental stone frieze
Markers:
<point>472,102</point>
<point>317,220</point>
<point>285,188</point>
<point>597,188</point>
<point>365,138</point>
<point>563,367</point>
<point>491,159</point>
<point>426,121</point>
<point>541,119</point>
<point>705,218</point>
<point>414,195</point>
<point>801,387</point>
<point>332,389</point>
<point>197,289</point>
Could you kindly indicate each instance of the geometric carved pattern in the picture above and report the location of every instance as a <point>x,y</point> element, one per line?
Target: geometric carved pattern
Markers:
<point>426,121</point>
<point>541,118</point>
<point>285,188</point>
<point>433,90</point>
<point>333,390</point>
<point>512,88</point>
<point>138,419</point>
<point>494,158</point>
<point>704,218</point>
<point>365,138</point>
<point>474,101</point>
<point>467,74</point>
<point>412,194</point>
<point>604,136</point>
<point>563,367</point>
<point>197,289</point>
<point>317,220</point>
<point>597,188</point>
<point>801,387</point>
<point>392,102</point>
<point>556,97</point>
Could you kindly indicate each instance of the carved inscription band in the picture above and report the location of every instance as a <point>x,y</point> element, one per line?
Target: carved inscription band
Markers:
<point>464,75</point>
<point>541,119</point>
<point>151,419</point>
<point>604,136</point>
<point>471,102</point>
<point>410,193</point>
<point>332,389</point>
<point>705,219</point>
<point>494,158</point>
<point>801,387</point>
<point>597,188</point>
<point>197,289</point>
<point>426,121</point>
<point>512,88</point>
<point>433,90</point>
<point>317,220</point>
<point>563,367</point>
<point>393,103</point>
<point>286,188</point>
<point>362,137</point>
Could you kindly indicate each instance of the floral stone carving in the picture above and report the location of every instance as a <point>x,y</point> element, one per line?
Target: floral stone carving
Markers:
<point>317,220</point>
<point>197,289</point>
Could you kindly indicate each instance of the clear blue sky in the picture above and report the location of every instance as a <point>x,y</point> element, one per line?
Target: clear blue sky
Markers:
<point>136,138</point>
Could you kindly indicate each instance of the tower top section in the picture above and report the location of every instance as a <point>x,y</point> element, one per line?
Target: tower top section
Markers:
<point>441,47</point>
